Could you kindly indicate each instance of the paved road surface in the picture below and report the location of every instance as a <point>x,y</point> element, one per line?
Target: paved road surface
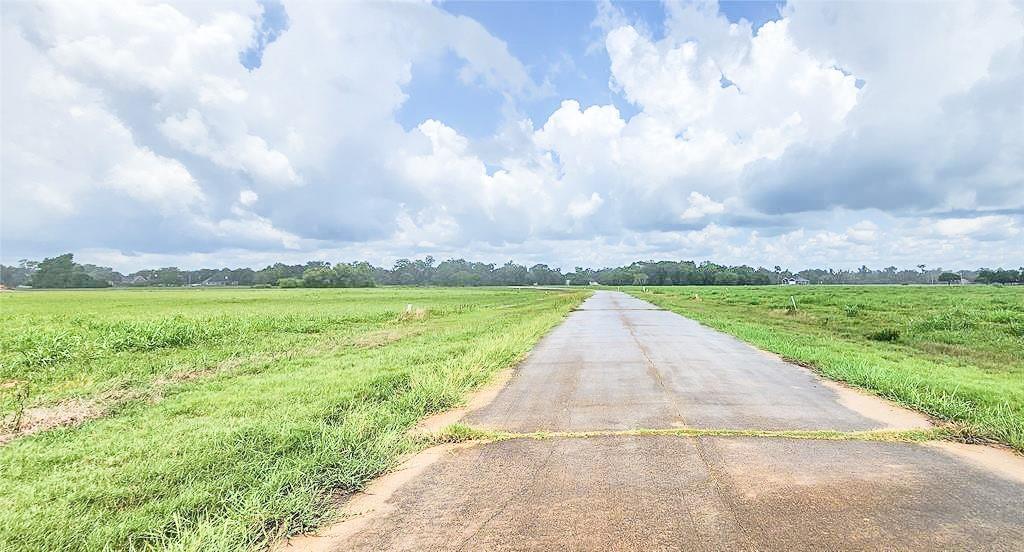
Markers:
<point>619,363</point>
<point>622,363</point>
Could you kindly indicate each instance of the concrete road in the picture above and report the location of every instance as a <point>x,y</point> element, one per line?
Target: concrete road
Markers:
<point>619,363</point>
<point>703,493</point>
<point>622,363</point>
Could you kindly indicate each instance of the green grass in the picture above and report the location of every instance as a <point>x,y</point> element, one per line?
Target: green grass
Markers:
<point>956,353</point>
<point>232,417</point>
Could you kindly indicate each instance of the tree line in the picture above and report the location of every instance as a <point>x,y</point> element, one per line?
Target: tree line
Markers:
<point>62,272</point>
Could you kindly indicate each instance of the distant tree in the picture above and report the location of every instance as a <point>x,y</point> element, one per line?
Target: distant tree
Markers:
<point>169,276</point>
<point>581,276</point>
<point>353,275</point>
<point>726,278</point>
<point>949,277</point>
<point>544,275</point>
<point>14,276</point>
<point>62,272</point>
<point>998,276</point>
<point>102,273</point>
<point>242,276</point>
<point>511,274</point>
<point>54,272</point>
<point>318,277</point>
<point>405,272</point>
<point>620,276</point>
<point>762,277</point>
<point>341,275</point>
<point>273,273</point>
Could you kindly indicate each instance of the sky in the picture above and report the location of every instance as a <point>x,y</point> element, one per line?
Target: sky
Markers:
<point>239,133</point>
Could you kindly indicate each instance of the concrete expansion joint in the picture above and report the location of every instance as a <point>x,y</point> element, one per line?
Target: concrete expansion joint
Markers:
<point>461,433</point>
<point>590,309</point>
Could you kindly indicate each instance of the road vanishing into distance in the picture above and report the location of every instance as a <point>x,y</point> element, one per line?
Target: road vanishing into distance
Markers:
<point>633,402</point>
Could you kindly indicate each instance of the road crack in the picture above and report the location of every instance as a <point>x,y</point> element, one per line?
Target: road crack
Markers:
<point>652,370</point>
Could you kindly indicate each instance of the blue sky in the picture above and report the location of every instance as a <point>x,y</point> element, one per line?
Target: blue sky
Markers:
<point>803,134</point>
<point>557,42</point>
<point>272,21</point>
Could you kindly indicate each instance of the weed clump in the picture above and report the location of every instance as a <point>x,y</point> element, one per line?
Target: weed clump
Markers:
<point>954,320</point>
<point>851,310</point>
<point>43,348</point>
<point>411,313</point>
<point>149,335</point>
<point>887,334</point>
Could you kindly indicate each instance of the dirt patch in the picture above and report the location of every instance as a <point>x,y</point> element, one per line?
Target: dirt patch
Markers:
<point>873,407</point>
<point>77,411</point>
<point>411,313</point>
<point>381,338</point>
<point>42,418</point>
<point>999,460</point>
<point>225,365</point>
<point>371,502</point>
<point>481,398</point>
<point>877,408</point>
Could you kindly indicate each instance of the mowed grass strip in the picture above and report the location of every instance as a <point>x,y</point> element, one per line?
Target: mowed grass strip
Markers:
<point>238,458</point>
<point>956,353</point>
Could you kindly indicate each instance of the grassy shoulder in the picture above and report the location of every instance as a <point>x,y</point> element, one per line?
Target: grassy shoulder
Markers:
<point>956,353</point>
<point>297,396</point>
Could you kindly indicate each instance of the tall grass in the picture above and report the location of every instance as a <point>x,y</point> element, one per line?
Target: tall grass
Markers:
<point>238,458</point>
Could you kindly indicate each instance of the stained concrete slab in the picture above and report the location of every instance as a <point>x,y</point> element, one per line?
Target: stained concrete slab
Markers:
<point>622,363</point>
<point>696,493</point>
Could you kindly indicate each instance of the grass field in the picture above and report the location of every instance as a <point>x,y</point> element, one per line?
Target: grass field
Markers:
<point>225,419</point>
<point>956,353</point>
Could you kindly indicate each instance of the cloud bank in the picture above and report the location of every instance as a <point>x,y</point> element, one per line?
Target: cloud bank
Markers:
<point>243,132</point>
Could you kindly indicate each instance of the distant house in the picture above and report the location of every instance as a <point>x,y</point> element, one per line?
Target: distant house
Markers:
<point>796,281</point>
<point>138,279</point>
<point>216,280</point>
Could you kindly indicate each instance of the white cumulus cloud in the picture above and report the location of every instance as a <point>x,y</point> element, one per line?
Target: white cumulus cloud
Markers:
<point>830,134</point>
